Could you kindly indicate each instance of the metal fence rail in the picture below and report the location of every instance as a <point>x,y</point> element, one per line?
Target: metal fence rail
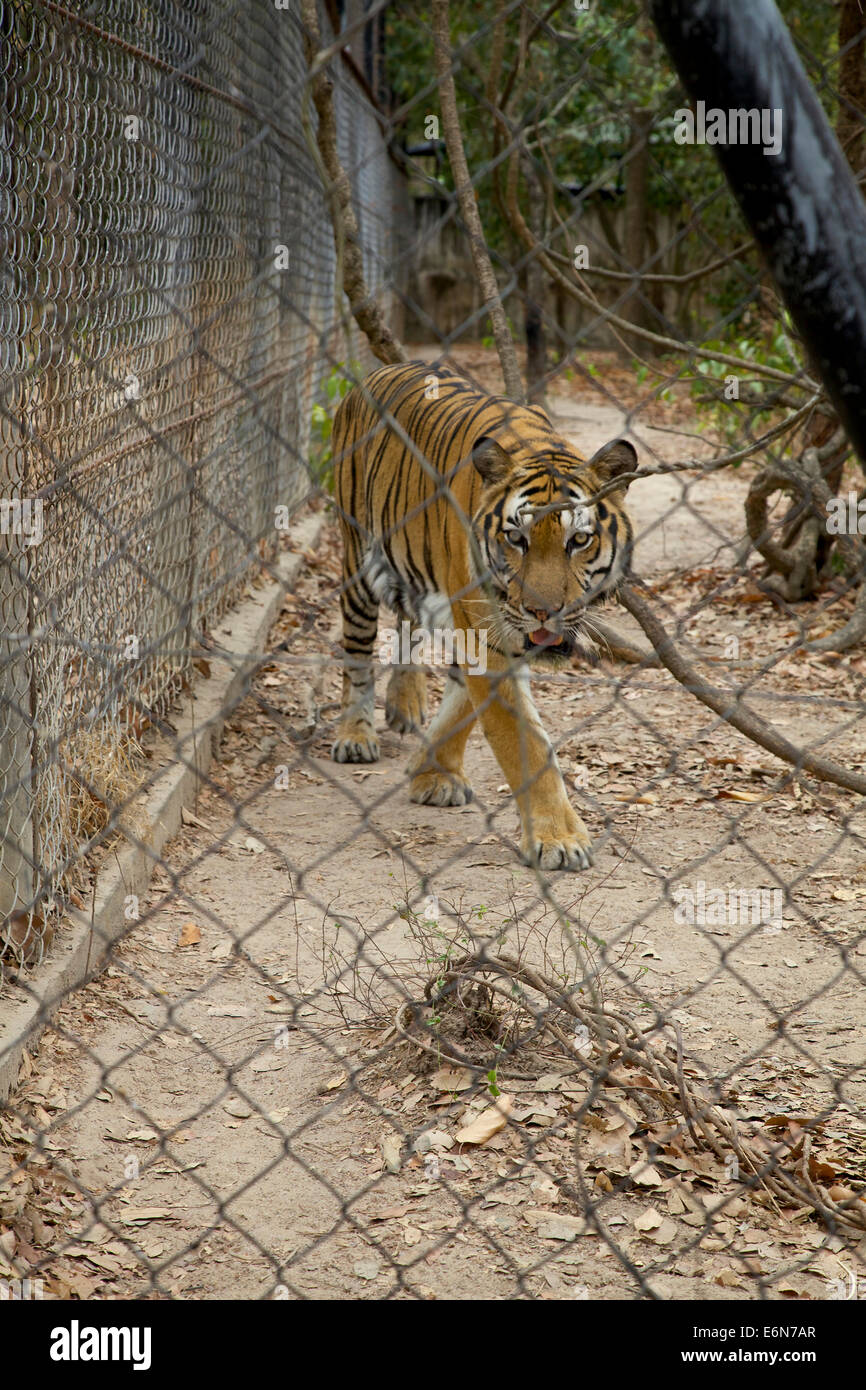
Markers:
<point>339,1043</point>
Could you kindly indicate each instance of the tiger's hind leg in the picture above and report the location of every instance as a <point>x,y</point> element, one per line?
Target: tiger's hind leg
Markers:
<point>437,768</point>
<point>356,740</point>
<point>406,696</point>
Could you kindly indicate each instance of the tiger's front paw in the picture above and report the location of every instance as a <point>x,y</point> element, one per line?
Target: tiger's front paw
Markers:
<point>550,848</point>
<point>406,701</point>
<point>356,742</point>
<point>440,789</point>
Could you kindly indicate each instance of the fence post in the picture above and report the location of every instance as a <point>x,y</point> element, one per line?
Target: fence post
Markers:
<point>17,868</point>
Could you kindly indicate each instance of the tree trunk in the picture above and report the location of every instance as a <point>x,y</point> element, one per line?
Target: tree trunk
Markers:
<point>536,340</point>
<point>468,206</point>
<point>636,212</point>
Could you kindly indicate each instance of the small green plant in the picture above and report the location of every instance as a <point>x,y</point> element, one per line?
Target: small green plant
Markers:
<point>717,384</point>
<point>339,383</point>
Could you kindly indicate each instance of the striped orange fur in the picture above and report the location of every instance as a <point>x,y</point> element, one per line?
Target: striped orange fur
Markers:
<point>460,509</point>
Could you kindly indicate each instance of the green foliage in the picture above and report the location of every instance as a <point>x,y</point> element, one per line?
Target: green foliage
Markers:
<point>340,381</point>
<point>775,347</point>
<point>585,73</point>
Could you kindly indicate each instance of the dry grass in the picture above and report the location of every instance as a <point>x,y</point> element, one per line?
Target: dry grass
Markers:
<point>85,803</point>
<point>100,776</point>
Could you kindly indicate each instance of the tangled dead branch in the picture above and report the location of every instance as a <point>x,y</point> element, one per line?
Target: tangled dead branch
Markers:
<point>652,1075</point>
<point>795,565</point>
<point>797,561</point>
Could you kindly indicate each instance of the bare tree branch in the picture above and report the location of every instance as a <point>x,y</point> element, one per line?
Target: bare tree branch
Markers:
<point>709,465</point>
<point>584,297</point>
<point>729,705</point>
<point>347,238</point>
<point>658,279</point>
<point>468,206</point>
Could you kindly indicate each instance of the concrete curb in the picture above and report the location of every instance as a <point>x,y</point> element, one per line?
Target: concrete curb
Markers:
<point>77,952</point>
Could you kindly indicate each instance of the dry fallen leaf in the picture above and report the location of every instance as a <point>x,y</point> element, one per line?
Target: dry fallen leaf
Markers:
<point>821,1172</point>
<point>488,1123</point>
<point>238,1108</point>
<point>645,1175</point>
<point>451,1079</point>
<point>650,1220</point>
<point>392,1213</point>
<point>666,1232</point>
<point>28,933</point>
<point>840,1193</point>
<point>562,1228</point>
<point>133,1215</point>
<point>190,934</point>
<point>813,1123</point>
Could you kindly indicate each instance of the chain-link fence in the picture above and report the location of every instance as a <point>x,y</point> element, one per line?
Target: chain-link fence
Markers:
<point>335,1038</point>
<point>157,190</point>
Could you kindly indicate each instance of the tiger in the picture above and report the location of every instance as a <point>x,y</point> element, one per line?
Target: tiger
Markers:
<point>461,509</point>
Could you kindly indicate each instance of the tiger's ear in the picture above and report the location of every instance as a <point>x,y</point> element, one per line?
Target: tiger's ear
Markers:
<point>613,459</point>
<point>491,460</point>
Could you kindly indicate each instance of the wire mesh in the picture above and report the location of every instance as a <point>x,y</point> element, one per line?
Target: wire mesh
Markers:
<point>330,1042</point>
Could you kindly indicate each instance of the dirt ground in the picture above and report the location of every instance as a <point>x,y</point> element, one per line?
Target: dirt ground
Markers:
<point>244,1117</point>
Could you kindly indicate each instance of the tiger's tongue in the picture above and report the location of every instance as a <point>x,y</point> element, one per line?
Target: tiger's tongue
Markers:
<point>541,636</point>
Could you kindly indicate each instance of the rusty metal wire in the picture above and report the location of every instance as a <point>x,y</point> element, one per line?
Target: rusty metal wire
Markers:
<point>684,1105</point>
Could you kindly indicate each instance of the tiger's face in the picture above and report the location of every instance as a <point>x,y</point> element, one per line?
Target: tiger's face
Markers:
<point>551,552</point>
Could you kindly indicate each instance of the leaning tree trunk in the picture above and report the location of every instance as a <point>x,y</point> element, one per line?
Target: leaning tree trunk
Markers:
<point>796,565</point>
<point>804,208</point>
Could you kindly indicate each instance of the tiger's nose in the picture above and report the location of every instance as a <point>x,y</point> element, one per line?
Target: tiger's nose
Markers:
<point>542,614</point>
